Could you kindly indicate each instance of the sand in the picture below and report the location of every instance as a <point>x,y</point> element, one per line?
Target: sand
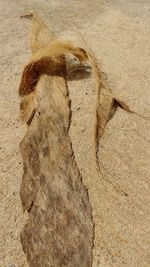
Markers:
<point>118,32</point>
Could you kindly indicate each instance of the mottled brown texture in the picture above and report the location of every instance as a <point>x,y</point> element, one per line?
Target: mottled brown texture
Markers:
<point>59,231</point>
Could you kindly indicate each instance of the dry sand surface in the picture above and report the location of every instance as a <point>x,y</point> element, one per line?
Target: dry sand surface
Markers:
<point>119,34</point>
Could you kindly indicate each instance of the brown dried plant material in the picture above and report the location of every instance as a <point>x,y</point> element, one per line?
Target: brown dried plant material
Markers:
<point>48,57</point>
<point>59,229</point>
<point>34,70</point>
<point>107,105</point>
<point>49,60</point>
<point>27,107</point>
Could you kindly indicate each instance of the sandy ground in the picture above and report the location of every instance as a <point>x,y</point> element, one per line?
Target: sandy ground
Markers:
<point>119,34</point>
